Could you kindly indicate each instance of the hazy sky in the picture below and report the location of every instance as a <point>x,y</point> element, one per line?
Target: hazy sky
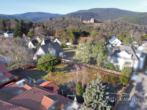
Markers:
<point>67,6</point>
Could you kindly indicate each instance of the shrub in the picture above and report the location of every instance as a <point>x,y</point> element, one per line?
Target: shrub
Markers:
<point>49,66</point>
<point>45,58</point>
<point>79,88</point>
<point>116,68</point>
<point>125,72</point>
<point>110,66</point>
<point>63,44</point>
<point>69,46</point>
<point>124,80</point>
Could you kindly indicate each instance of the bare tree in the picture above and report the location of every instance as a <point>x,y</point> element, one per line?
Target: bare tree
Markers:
<point>77,69</point>
<point>84,75</point>
<point>17,50</point>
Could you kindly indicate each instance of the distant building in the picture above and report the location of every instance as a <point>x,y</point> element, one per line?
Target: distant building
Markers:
<point>82,38</point>
<point>143,48</point>
<point>8,34</point>
<point>126,56</point>
<point>45,42</point>
<point>58,40</point>
<point>52,48</point>
<point>115,41</point>
<point>92,20</point>
<point>32,44</point>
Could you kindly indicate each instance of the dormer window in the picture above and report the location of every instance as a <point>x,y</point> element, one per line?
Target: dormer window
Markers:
<point>129,49</point>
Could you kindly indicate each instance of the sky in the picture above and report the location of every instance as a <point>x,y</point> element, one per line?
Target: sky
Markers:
<point>67,6</point>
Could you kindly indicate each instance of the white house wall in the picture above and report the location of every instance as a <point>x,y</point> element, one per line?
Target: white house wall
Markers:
<point>43,43</point>
<point>40,52</point>
<point>31,46</point>
<point>8,35</point>
<point>116,42</point>
<point>124,54</point>
<point>56,40</point>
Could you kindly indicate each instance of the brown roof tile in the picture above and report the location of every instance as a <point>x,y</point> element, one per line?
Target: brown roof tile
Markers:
<point>32,99</point>
<point>47,102</point>
<point>3,67</point>
<point>9,106</point>
<point>27,87</point>
<point>50,86</point>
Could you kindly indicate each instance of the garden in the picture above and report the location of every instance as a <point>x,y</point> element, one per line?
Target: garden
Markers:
<point>72,79</point>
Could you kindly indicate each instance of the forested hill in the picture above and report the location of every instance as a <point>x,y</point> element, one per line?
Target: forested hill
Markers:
<point>101,13</point>
<point>97,13</point>
<point>30,16</point>
<point>136,19</point>
<point>37,16</point>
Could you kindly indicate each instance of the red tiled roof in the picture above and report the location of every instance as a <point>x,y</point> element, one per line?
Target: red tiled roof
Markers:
<point>9,106</point>
<point>82,38</point>
<point>27,87</point>
<point>47,102</point>
<point>32,99</point>
<point>50,86</point>
<point>3,67</point>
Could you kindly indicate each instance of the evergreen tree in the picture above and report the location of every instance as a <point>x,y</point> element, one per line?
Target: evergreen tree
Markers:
<point>100,51</point>
<point>128,40</point>
<point>96,95</point>
<point>4,24</point>
<point>125,72</point>
<point>79,88</point>
<point>31,33</point>
<point>15,33</point>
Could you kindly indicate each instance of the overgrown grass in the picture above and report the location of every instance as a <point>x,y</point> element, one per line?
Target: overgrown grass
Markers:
<point>37,75</point>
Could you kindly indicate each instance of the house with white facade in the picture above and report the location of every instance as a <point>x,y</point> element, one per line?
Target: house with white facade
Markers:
<point>52,48</point>
<point>8,34</point>
<point>125,56</point>
<point>143,48</point>
<point>31,44</point>
<point>58,40</point>
<point>46,41</point>
<point>115,41</point>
